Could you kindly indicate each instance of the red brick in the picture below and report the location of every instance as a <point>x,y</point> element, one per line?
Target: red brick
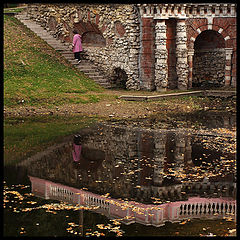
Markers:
<point>197,22</point>
<point>195,34</point>
<point>204,28</point>
<point>148,71</point>
<point>231,30</point>
<point>228,43</point>
<point>109,41</point>
<point>146,36</point>
<point>190,32</point>
<point>223,22</point>
<point>89,17</point>
<point>120,29</point>
<point>104,27</point>
<point>147,22</point>
<point>147,44</point>
<point>97,19</point>
<point>224,34</point>
<point>215,28</point>
<point>147,30</point>
<point>190,64</point>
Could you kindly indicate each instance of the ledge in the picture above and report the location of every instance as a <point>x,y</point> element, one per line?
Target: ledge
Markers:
<point>214,93</point>
<point>156,97</point>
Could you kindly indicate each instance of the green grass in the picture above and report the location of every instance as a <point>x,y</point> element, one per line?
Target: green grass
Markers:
<point>24,137</point>
<point>37,74</point>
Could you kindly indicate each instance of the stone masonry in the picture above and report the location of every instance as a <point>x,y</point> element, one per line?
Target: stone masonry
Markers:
<point>158,46</point>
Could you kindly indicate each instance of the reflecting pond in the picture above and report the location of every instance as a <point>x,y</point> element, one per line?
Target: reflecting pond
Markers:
<point>119,180</point>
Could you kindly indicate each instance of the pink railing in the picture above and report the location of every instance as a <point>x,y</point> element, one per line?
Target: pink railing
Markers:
<point>131,211</point>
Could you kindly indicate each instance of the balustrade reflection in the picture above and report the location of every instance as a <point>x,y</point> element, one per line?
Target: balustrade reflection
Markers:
<point>132,211</point>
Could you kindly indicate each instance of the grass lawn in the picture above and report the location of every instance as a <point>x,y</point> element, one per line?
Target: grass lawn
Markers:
<point>37,75</point>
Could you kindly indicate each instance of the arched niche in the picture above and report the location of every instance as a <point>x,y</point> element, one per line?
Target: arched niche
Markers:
<point>93,39</point>
<point>209,60</point>
<point>119,78</point>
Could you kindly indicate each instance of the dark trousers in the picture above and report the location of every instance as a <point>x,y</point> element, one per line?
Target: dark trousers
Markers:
<point>77,55</point>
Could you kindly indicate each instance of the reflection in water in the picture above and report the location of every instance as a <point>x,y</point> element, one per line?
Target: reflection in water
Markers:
<point>215,119</point>
<point>131,211</point>
<point>144,176</point>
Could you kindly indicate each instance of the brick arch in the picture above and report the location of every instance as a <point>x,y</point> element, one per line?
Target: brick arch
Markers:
<point>228,32</point>
<point>220,25</point>
<point>192,37</point>
<point>209,61</point>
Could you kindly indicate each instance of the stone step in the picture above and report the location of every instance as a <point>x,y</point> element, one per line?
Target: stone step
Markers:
<point>89,71</point>
<point>21,17</point>
<point>97,78</point>
<point>33,26</point>
<point>44,36</point>
<point>67,52</point>
<point>54,42</point>
<point>83,67</point>
<point>49,38</point>
<point>58,47</point>
<point>69,58</point>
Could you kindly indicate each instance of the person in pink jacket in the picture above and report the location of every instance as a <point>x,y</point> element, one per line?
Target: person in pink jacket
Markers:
<point>77,45</point>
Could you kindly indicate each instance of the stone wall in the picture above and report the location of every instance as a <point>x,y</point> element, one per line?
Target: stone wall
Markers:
<point>209,67</point>
<point>161,54</point>
<point>181,54</point>
<point>151,45</point>
<point>112,29</point>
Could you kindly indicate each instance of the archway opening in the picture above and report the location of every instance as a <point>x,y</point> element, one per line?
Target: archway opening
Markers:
<point>119,78</point>
<point>209,60</point>
<point>91,34</point>
<point>93,39</point>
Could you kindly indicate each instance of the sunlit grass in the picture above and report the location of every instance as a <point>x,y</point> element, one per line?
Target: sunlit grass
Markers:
<point>37,75</point>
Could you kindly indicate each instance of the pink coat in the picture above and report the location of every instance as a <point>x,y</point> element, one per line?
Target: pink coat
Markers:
<point>76,152</point>
<point>77,43</point>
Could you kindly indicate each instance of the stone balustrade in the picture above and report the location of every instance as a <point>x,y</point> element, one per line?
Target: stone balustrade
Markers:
<point>189,10</point>
<point>147,214</point>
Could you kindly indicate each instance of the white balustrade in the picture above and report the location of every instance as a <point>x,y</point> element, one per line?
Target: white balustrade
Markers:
<point>210,209</point>
<point>96,201</point>
<point>156,215</point>
<point>61,193</point>
<point>163,11</point>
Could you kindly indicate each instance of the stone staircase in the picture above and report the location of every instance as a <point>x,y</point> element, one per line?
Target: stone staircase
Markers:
<point>87,67</point>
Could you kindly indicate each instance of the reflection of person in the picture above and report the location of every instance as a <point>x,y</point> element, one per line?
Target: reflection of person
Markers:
<point>76,152</point>
<point>77,45</point>
<point>77,148</point>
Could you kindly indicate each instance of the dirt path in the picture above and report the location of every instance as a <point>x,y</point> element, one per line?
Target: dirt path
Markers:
<point>118,108</point>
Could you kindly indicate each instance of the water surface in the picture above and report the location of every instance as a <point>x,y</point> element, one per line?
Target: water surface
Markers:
<point>127,181</point>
